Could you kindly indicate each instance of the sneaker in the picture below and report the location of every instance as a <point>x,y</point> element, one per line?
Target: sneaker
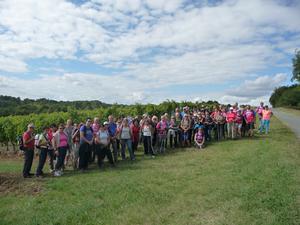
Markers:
<point>57,174</point>
<point>153,156</point>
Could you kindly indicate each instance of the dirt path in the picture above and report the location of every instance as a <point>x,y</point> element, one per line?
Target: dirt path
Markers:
<point>293,121</point>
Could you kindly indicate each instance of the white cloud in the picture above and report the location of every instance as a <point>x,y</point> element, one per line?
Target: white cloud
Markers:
<point>76,86</point>
<point>255,90</point>
<point>158,44</point>
<point>12,65</point>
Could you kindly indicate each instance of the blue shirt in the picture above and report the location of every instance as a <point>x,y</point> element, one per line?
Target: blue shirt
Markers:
<point>112,129</point>
<point>88,133</point>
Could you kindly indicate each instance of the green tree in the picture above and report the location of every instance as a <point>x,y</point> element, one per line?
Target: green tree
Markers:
<point>296,67</point>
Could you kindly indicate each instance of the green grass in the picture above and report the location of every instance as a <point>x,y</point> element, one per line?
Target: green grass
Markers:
<point>249,181</point>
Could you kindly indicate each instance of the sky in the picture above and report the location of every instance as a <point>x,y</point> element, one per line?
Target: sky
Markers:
<point>147,51</point>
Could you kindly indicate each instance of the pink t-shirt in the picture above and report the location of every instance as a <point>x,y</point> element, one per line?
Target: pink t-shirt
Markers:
<point>239,119</point>
<point>63,142</point>
<point>249,115</point>
<point>266,114</point>
<point>259,110</point>
<point>162,127</point>
<point>95,128</point>
<point>230,117</point>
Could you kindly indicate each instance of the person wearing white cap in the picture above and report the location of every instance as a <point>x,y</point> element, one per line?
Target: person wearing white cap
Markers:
<point>230,119</point>
<point>102,145</point>
<point>28,141</point>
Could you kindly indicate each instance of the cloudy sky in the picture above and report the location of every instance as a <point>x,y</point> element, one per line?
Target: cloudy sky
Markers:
<point>129,51</point>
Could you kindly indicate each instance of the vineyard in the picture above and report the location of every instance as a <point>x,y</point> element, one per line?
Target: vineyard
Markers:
<point>13,126</point>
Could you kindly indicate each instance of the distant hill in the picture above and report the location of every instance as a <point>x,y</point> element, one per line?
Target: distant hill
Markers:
<point>15,106</point>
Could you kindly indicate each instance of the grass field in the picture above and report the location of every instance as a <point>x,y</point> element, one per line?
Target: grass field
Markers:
<point>249,181</point>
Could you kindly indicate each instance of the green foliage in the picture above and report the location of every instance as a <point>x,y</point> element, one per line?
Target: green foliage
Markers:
<point>16,106</point>
<point>286,97</point>
<point>296,67</point>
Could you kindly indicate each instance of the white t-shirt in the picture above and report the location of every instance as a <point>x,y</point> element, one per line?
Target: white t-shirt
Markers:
<point>125,133</point>
<point>146,131</point>
<point>103,136</point>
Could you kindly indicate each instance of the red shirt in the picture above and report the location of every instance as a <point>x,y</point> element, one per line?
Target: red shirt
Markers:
<point>239,119</point>
<point>249,116</point>
<point>135,133</point>
<point>230,117</point>
<point>26,137</point>
<point>50,135</point>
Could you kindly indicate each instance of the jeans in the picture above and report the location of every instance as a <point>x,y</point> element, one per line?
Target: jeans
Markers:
<point>220,131</point>
<point>231,130</point>
<point>148,145</point>
<point>266,126</point>
<point>51,158</point>
<point>154,140</point>
<point>135,145</point>
<point>128,143</point>
<point>62,151</point>
<point>115,149</point>
<point>92,153</point>
<point>207,132</point>
<point>84,154</point>
<point>28,158</point>
<point>75,153</point>
<point>101,152</point>
<point>42,160</point>
<point>261,123</point>
<point>173,138</point>
<point>162,138</point>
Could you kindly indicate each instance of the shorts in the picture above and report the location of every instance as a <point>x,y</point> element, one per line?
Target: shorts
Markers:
<point>250,126</point>
<point>239,126</point>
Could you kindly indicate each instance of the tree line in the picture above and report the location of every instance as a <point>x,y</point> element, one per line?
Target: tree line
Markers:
<point>15,106</point>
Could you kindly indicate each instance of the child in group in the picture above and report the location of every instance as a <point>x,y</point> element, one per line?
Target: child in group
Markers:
<point>200,138</point>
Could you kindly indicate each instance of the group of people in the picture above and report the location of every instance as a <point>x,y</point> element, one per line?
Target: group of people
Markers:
<point>81,143</point>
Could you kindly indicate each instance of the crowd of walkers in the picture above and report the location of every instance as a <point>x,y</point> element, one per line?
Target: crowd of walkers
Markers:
<point>81,144</point>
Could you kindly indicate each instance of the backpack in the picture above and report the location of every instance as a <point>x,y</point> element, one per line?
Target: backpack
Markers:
<point>20,143</point>
<point>36,141</point>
